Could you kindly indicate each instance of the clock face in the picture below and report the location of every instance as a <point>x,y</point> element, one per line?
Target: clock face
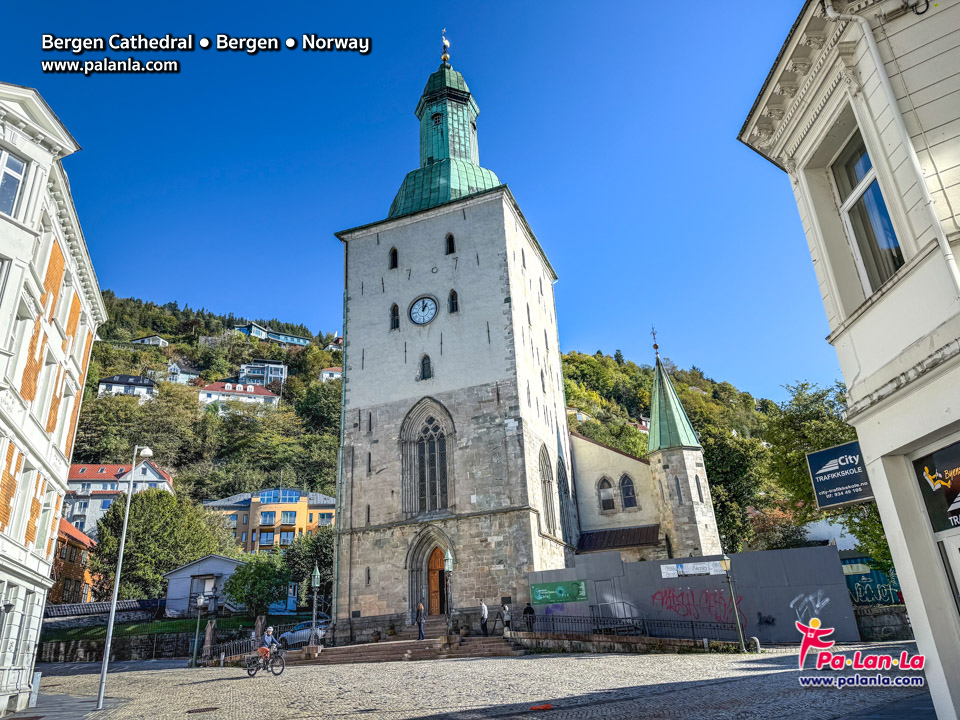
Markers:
<point>423,310</point>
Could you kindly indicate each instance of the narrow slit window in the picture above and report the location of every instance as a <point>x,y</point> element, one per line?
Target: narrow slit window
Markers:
<point>453,302</point>
<point>676,481</point>
<point>394,317</point>
<point>394,259</point>
<point>451,245</point>
<point>426,368</point>
<point>699,489</point>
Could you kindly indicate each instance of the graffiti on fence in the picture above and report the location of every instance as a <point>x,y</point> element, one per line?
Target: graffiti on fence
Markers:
<point>765,620</point>
<point>808,606</point>
<point>709,605</point>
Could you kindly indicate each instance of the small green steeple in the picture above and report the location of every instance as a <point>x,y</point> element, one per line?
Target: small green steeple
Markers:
<point>449,154</point>
<point>669,425</point>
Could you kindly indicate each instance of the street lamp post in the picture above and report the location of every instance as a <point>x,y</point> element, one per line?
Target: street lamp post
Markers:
<point>447,571</point>
<point>725,564</point>
<point>196,637</point>
<point>144,452</point>
<point>315,584</point>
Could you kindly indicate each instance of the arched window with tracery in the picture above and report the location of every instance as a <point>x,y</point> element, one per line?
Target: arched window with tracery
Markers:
<point>427,443</point>
<point>546,485</point>
<point>628,494</point>
<point>566,508</point>
<point>605,496</point>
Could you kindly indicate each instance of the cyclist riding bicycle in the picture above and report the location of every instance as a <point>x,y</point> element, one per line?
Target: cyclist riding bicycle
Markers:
<point>266,642</point>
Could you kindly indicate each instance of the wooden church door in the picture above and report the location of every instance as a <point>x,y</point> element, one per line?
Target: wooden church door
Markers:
<point>435,570</point>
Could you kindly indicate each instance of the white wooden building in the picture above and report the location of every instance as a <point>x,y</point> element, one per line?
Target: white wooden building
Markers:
<point>861,109</point>
<point>50,308</point>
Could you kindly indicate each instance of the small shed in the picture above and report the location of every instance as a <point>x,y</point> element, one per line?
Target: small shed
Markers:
<point>207,576</point>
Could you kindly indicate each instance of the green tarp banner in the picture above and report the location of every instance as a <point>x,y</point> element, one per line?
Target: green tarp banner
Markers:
<point>559,592</point>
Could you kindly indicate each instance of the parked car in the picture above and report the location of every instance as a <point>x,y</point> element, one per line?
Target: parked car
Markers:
<point>300,634</point>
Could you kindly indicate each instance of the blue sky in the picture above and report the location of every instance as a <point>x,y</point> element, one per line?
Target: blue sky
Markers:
<point>614,125</point>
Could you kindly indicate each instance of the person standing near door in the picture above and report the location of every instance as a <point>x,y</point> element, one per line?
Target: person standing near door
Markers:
<point>505,612</point>
<point>420,620</point>
<point>484,614</point>
<point>529,616</point>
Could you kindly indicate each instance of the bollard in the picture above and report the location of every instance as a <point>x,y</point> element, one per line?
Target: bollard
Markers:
<point>222,654</point>
<point>35,690</point>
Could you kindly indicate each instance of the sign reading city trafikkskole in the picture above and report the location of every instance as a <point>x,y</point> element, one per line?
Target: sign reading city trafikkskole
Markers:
<point>839,476</point>
<point>559,592</point>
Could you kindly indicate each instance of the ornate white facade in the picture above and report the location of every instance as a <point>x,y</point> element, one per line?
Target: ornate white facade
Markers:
<point>50,308</point>
<point>862,110</point>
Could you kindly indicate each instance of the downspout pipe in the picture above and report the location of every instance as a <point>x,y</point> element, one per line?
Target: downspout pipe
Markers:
<point>868,35</point>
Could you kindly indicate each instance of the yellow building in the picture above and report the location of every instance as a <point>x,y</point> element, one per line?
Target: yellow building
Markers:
<point>273,518</point>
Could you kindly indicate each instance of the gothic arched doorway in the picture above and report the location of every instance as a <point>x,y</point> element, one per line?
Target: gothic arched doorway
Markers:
<point>436,583</point>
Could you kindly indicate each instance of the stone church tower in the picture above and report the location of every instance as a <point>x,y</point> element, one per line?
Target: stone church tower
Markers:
<point>455,439</point>
<point>676,463</point>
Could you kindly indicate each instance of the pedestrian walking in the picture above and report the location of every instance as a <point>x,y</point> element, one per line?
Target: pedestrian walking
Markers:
<point>420,620</point>
<point>529,615</point>
<point>505,614</point>
<point>484,614</point>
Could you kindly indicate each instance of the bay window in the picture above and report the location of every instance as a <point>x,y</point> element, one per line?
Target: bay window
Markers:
<point>865,215</point>
<point>12,171</point>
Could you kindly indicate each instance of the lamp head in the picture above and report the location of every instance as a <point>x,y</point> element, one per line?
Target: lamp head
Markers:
<point>448,561</point>
<point>146,452</point>
<point>315,577</point>
<point>725,562</point>
<point>200,601</point>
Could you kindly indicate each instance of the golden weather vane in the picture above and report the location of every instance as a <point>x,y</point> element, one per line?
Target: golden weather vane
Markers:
<point>445,57</point>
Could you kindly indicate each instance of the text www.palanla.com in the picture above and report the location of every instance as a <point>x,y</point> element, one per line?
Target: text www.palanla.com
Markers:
<point>108,65</point>
<point>858,680</point>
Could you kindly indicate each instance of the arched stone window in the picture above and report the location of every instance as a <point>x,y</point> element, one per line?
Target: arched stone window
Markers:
<point>453,302</point>
<point>394,317</point>
<point>566,520</point>
<point>628,494</point>
<point>699,490</point>
<point>394,259</point>
<point>546,484</point>
<point>427,443</point>
<point>451,245</point>
<point>605,496</point>
<point>426,368</point>
<point>676,480</point>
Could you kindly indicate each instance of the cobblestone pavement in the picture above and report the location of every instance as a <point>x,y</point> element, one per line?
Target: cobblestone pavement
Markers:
<point>577,686</point>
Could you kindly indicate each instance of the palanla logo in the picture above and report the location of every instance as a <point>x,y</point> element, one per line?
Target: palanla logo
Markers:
<point>813,636</point>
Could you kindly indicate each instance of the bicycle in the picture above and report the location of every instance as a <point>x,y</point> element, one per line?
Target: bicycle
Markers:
<point>274,662</point>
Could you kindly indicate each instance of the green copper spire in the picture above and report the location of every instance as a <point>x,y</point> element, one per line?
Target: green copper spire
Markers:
<point>449,155</point>
<point>669,425</point>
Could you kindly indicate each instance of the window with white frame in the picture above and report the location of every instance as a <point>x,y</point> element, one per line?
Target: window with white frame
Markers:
<point>865,215</point>
<point>12,171</point>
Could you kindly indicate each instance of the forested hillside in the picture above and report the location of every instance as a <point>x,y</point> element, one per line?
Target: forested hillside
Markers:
<point>211,455</point>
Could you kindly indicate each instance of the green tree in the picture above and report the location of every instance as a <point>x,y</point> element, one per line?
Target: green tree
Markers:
<point>261,581</point>
<point>303,554</point>
<point>737,473</point>
<point>813,420</point>
<point>320,406</point>
<point>163,533</point>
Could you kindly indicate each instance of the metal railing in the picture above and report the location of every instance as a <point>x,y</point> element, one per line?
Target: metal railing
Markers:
<point>210,655</point>
<point>624,627</point>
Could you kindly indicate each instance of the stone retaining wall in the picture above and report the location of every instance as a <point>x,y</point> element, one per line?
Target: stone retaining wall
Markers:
<point>883,622</point>
<point>136,647</point>
<point>559,642</point>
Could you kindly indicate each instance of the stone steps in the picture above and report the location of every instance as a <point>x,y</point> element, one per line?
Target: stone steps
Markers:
<point>409,650</point>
